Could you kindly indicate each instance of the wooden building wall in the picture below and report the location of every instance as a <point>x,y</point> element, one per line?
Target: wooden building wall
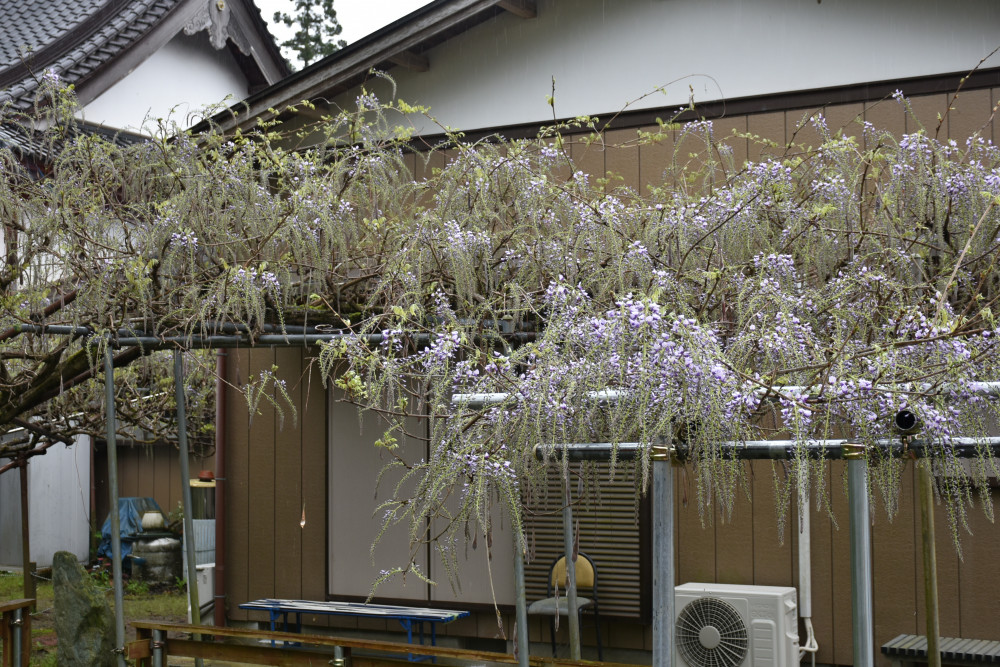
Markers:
<point>747,548</point>
<point>146,471</point>
<point>276,484</point>
<point>274,471</point>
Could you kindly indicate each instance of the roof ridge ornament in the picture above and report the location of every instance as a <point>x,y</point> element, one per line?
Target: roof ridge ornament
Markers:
<point>214,17</point>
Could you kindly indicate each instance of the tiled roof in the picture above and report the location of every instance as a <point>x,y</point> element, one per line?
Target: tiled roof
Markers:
<point>72,38</point>
<point>68,38</point>
<point>90,42</point>
<point>29,25</point>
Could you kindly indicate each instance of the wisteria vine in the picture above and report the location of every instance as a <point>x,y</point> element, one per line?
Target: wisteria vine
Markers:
<point>807,295</point>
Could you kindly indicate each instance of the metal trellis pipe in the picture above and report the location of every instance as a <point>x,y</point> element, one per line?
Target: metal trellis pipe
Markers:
<point>860,516</point>
<point>572,618</point>
<point>231,337</point>
<point>925,486</point>
<point>189,537</point>
<point>482,400</point>
<point>664,578</point>
<point>783,449</point>
<point>116,535</point>
<point>520,604</point>
<point>16,646</point>
<point>862,607</point>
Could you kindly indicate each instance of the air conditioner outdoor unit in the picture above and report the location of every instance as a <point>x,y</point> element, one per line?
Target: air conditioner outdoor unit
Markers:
<point>728,625</point>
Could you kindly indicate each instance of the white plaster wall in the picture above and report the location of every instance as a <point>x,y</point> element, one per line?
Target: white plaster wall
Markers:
<point>604,54</point>
<point>354,517</point>
<point>58,503</point>
<point>175,83</point>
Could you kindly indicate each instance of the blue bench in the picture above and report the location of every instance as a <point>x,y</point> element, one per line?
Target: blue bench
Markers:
<point>408,617</point>
<point>910,649</point>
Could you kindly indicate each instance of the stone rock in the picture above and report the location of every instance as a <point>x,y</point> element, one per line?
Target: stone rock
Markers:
<point>84,623</point>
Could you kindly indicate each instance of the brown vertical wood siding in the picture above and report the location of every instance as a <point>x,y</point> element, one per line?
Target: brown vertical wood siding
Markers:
<point>274,471</point>
<point>152,471</point>
<point>276,474</point>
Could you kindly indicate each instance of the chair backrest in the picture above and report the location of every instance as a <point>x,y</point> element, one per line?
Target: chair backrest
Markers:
<point>586,573</point>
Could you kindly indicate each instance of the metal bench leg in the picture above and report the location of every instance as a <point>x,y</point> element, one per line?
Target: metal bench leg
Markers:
<point>274,617</point>
<point>433,640</point>
<point>409,634</point>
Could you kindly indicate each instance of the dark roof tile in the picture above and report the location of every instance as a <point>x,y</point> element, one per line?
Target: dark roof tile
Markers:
<point>75,39</point>
<point>72,38</point>
<point>30,25</point>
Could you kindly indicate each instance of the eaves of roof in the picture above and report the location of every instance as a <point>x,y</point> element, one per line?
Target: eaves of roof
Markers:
<point>399,42</point>
<point>102,48</point>
<point>91,44</point>
<point>247,37</point>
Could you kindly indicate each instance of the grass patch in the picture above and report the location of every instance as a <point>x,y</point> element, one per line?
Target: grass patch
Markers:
<point>11,586</point>
<point>43,652</point>
<point>141,602</point>
<point>49,659</point>
<point>168,605</point>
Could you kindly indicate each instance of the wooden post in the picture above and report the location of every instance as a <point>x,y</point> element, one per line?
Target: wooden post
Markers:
<point>925,481</point>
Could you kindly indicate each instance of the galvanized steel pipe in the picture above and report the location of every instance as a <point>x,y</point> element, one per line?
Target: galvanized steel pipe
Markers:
<point>663,563</point>
<point>182,442</point>
<point>481,400</point>
<point>158,636</point>
<point>16,646</point>
<point>116,536</point>
<point>572,618</point>
<point>219,594</point>
<point>520,605</point>
<point>862,616</point>
<point>782,449</point>
<point>925,487</point>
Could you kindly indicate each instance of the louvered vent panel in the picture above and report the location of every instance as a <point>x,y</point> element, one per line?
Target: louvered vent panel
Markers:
<point>609,533</point>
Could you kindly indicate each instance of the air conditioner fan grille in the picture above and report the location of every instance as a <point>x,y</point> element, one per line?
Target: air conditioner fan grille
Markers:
<point>711,633</point>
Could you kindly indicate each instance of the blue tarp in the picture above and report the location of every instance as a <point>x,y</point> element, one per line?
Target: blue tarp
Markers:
<point>130,511</point>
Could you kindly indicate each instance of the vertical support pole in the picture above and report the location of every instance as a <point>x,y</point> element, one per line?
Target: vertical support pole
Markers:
<point>116,534</point>
<point>26,569</point>
<point>219,594</point>
<point>861,563</point>
<point>158,648</point>
<point>572,618</point>
<point>16,645</point>
<point>26,637</point>
<point>342,656</point>
<point>520,601</point>
<point>190,546</point>
<point>95,528</point>
<point>925,484</point>
<point>663,562</point>
<point>805,555</point>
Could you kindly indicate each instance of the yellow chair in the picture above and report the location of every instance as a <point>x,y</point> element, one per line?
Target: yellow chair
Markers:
<point>586,580</point>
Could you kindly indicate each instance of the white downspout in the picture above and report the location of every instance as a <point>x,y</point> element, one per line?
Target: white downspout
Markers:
<point>805,577</point>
